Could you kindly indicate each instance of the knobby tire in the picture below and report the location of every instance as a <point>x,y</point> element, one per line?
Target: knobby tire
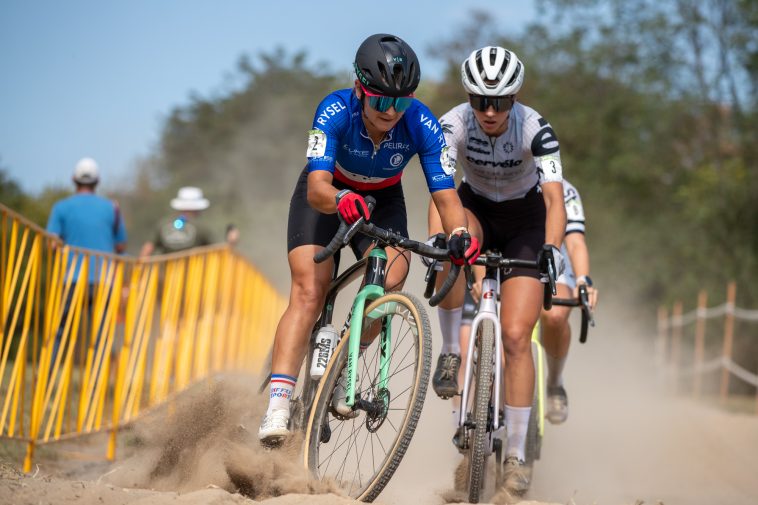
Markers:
<point>480,416</point>
<point>320,413</point>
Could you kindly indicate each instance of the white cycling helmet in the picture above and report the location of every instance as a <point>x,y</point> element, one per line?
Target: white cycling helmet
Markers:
<point>492,71</point>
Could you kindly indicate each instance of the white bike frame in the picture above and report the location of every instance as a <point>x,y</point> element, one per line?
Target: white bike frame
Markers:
<point>487,309</point>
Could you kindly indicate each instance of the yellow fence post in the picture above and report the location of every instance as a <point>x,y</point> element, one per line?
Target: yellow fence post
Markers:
<point>188,315</point>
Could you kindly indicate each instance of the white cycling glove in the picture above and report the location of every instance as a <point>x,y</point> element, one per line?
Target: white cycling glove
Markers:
<point>428,261</point>
<point>560,261</point>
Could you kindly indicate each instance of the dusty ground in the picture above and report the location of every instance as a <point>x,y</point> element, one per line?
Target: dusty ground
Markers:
<point>626,442</point>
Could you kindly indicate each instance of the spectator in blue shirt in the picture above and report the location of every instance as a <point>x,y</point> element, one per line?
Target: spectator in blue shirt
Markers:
<point>85,219</point>
<point>89,221</point>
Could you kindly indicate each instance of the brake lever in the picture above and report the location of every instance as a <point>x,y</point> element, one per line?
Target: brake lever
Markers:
<point>469,276</point>
<point>584,296</point>
<point>351,231</point>
<point>551,274</point>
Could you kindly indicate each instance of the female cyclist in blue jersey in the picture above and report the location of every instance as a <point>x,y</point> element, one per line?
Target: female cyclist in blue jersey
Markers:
<point>513,197</point>
<point>360,141</point>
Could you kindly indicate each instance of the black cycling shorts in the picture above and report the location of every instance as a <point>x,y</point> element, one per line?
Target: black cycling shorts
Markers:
<point>515,228</point>
<point>307,226</point>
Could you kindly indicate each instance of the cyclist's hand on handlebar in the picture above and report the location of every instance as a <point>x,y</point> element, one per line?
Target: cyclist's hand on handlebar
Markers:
<point>592,293</point>
<point>463,248</point>
<point>558,259</point>
<point>428,261</point>
<point>351,206</point>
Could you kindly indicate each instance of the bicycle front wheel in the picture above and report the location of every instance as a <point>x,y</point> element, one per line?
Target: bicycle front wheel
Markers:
<point>362,453</point>
<point>478,449</point>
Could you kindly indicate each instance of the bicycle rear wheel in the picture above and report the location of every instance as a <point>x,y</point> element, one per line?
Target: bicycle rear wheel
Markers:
<point>478,449</point>
<point>362,454</point>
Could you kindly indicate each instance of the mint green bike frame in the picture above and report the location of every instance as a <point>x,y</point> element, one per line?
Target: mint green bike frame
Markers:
<point>373,289</point>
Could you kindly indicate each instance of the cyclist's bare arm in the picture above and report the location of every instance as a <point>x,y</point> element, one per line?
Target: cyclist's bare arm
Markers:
<point>555,223</point>
<point>435,223</point>
<point>576,246</point>
<point>321,192</point>
<point>450,210</point>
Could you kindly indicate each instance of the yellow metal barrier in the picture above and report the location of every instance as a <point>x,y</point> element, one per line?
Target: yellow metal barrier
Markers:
<point>89,340</point>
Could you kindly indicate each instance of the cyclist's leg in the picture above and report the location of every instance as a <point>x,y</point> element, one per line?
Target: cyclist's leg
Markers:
<point>449,312</point>
<point>309,281</point>
<point>556,331</point>
<point>308,288</point>
<point>307,232</point>
<point>398,264</point>
<point>468,313</point>
<point>556,339</point>
<point>521,302</point>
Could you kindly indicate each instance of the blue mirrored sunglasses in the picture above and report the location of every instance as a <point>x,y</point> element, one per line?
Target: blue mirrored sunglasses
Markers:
<point>382,103</point>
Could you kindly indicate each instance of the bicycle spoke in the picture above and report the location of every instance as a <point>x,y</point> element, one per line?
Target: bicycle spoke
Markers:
<point>359,450</point>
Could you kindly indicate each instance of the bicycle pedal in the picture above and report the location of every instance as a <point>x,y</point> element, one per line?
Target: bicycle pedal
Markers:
<point>272,443</point>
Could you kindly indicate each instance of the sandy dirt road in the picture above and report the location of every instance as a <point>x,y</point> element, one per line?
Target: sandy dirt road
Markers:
<point>626,442</point>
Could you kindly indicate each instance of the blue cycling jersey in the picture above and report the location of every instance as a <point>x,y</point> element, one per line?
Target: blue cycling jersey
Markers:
<point>340,144</point>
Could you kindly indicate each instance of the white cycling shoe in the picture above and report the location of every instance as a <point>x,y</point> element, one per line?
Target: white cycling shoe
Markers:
<point>274,427</point>
<point>557,405</point>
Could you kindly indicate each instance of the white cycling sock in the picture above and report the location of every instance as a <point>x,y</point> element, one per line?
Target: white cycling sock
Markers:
<point>450,326</point>
<point>516,425</point>
<point>555,370</point>
<point>281,388</point>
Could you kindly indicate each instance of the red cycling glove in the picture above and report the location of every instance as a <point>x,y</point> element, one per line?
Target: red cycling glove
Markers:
<point>352,207</point>
<point>463,248</point>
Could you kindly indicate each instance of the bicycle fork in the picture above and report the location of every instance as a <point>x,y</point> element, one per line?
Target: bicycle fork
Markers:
<point>373,289</point>
<point>487,309</point>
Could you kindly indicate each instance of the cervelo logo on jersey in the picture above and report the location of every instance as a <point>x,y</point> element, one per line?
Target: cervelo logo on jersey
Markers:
<point>329,111</point>
<point>499,164</point>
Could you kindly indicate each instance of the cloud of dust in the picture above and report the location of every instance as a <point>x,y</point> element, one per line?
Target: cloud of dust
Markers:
<point>208,437</point>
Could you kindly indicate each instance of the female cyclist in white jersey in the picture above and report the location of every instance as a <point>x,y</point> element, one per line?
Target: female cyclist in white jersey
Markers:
<point>556,331</point>
<point>513,197</point>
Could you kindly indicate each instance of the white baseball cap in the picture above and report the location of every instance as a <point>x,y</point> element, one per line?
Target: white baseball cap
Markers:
<point>86,171</point>
<point>189,198</point>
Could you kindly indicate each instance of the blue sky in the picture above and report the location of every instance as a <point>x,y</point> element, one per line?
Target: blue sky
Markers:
<point>92,78</point>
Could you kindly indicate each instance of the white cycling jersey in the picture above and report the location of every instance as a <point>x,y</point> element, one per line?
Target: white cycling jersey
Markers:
<point>574,209</point>
<point>505,167</point>
<point>574,224</point>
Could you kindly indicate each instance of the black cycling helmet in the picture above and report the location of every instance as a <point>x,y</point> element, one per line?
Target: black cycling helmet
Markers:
<point>386,65</point>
